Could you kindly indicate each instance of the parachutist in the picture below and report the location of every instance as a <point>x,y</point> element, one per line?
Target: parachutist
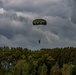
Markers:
<point>39,41</point>
<point>39,23</point>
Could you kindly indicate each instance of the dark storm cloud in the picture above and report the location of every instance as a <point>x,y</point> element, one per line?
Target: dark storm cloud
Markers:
<point>49,7</point>
<point>9,24</point>
<point>63,28</point>
<point>16,27</point>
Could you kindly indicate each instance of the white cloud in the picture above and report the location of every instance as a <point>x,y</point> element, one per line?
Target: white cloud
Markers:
<point>29,15</point>
<point>51,37</point>
<point>2,11</point>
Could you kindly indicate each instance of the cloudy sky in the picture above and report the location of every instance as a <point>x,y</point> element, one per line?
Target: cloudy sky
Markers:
<point>16,29</point>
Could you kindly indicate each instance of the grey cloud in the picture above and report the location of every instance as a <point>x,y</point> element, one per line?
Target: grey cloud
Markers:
<point>11,25</point>
<point>16,27</point>
<point>1,3</point>
<point>51,8</point>
<point>63,28</point>
<point>72,5</point>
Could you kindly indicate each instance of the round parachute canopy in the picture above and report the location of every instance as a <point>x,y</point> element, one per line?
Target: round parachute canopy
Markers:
<point>39,22</point>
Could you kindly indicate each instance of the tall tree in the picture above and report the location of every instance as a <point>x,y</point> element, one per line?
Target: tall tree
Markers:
<point>55,70</point>
<point>43,70</point>
<point>67,69</point>
<point>20,68</point>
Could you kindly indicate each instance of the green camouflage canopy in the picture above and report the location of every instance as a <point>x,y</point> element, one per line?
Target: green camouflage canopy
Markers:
<point>39,22</point>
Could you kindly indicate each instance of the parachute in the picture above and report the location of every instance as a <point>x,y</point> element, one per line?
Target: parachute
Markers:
<point>39,23</point>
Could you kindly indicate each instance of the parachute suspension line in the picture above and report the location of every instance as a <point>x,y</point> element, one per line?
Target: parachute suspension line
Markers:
<point>40,36</point>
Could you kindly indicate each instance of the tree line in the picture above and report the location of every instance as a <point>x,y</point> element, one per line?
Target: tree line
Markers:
<point>22,61</point>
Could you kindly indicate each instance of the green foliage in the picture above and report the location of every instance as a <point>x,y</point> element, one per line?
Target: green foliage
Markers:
<point>41,62</point>
<point>67,69</point>
<point>20,68</point>
<point>32,67</point>
<point>43,70</point>
<point>55,70</point>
